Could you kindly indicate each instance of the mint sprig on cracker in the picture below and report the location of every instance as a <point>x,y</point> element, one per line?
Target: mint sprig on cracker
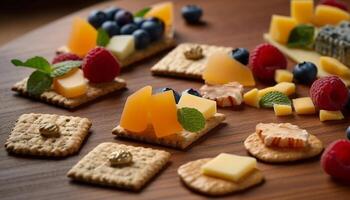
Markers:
<point>191,119</point>
<point>41,79</point>
<point>302,36</point>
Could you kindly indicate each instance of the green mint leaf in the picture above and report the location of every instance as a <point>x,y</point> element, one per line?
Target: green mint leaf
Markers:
<point>142,12</point>
<point>38,83</point>
<point>274,97</point>
<point>102,37</point>
<point>36,62</point>
<point>191,119</point>
<point>302,36</point>
<point>63,68</point>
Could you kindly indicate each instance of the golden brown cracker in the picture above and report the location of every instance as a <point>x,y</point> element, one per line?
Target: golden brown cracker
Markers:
<point>180,140</point>
<point>26,139</point>
<point>96,168</point>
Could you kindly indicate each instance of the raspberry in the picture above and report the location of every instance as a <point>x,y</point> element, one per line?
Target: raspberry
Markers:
<point>265,60</point>
<point>65,57</point>
<point>99,66</point>
<point>334,3</point>
<point>329,93</point>
<point>335,160</point>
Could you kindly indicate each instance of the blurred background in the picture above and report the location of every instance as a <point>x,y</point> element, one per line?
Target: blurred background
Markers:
<point>21,16</point>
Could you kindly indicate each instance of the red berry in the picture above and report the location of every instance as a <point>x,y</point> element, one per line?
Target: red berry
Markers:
<point>335,3</point>
<point>99,66</point>
<point>65,57</point>
<point>329,93</point>
<point>335,160</point>
<point>265,60</point>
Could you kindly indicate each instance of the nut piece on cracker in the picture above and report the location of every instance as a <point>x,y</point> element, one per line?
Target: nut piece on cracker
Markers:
<point>282,143</point>
<point>213,176</point>
<point>227,95</point>
<point>96,167</point>
<point>47,135</point>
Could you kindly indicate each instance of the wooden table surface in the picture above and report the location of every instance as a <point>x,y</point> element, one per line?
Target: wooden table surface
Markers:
<point>228,22</point>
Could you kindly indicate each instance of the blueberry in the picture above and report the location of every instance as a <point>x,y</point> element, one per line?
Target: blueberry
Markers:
<point>191,13</point>
<point>110,12</point>
<point>241,55</point>
<point>176,94</point>
<point>348,133</point>
<point>128,29</point>
<point>192,91</point>
<point>138,21</point>
<point>157,20</point>
<point>96,18</point>
<point>123,17</point>
<point>111,27</point>
<point>154,29</point>
<point>142,38</point>
<point>305,72</point>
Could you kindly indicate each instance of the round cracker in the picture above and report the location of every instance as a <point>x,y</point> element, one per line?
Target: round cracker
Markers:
<point>190,174</point>
<point>256,147</point>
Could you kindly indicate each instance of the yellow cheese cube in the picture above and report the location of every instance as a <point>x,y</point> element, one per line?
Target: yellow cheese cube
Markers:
<point>282,75</point>
<point>251,98</point>
<point>280,28</point>
<point>282,110</point>
<point>326,115</point>
<point>302,10</point>
<point>333,66</point>
<point>205,106</point>
<point>304,106</point>
<point>122,46</point>
<point>284,87</point>
<point>329,15</point>
<point>70,85</point>
<point>229,167</point>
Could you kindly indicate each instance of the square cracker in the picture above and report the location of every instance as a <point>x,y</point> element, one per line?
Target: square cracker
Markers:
<point>138,55</point>
<point>94,91</point>
<point>176,64</point>
<point>26,139</point>
<point>95,166</point>
<point>180,140</point>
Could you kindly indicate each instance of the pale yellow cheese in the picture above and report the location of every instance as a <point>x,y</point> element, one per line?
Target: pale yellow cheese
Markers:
<point>282,110</point>
<point>334,66</point>
<point>229,167</point>
<point>302,10</point>
<point>205,106</point>
<point>122,46</point>
<point>280,28</point>
<point>251,98</point>
<point>325,14</point>
<point>326,115</point>
<point>284,87</point>
<point>282,75</point>
<point>72,84</point>
<point>304,106</point>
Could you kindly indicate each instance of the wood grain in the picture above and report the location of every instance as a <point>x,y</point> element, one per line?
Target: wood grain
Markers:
<point>228,23</point>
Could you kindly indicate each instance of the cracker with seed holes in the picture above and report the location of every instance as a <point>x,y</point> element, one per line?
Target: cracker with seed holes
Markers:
<point>176,64</point>
<point>191,176</point>
<point>96,168</point>
<point>94,91</point>
<point>256,147</point>
<point>26,138</point>
<point>180,140</point>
